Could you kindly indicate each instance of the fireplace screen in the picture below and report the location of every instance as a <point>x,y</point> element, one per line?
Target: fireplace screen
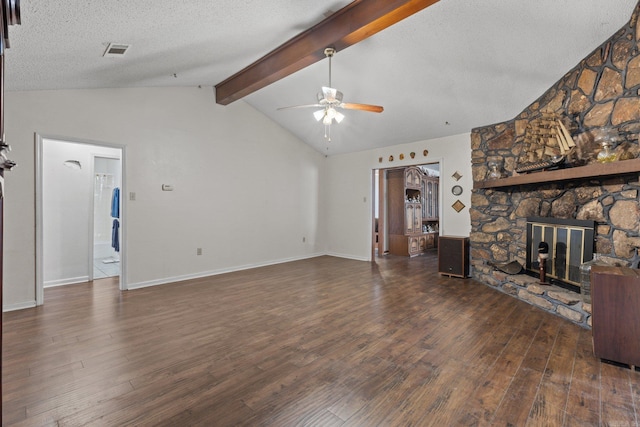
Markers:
<point>570,244</point>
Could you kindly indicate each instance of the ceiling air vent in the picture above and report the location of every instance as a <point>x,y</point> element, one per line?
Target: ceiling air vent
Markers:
<point>116,49</point>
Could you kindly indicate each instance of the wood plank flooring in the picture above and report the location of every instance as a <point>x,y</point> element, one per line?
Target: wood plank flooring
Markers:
<point>319,342</point>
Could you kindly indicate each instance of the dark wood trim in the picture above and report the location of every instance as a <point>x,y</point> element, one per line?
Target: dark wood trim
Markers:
<point>382,217</point>
<point>595,170</point>
<point>346,27</point>
<point>3,38</point>
<point>1,284</point>
<point>9,15</point>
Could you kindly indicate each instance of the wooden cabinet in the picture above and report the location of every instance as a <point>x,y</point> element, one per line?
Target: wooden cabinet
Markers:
<point>453,256</point>
<point>615,303</point>
<point>405,208</point>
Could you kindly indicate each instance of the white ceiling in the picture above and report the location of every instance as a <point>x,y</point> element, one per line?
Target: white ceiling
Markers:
<point>454,66</point>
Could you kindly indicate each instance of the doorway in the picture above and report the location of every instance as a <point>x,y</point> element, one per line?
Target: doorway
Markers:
<point>107,178</point>
<point>385,210</point>
<point>68,193</point>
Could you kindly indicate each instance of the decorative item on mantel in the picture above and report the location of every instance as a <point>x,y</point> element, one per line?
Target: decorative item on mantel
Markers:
<point>546,145</point>
<point>606,155</point>
<point>614,146</point>
<point>496,167</point>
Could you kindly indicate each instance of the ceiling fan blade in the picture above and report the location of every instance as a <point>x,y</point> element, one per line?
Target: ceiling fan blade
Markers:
<point>301,106</point>
<point>363,107</point>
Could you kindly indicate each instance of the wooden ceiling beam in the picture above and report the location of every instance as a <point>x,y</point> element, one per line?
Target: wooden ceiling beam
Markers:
<point>348,26</point>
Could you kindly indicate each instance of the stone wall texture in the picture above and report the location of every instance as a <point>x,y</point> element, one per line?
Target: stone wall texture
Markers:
<point>600,96</point>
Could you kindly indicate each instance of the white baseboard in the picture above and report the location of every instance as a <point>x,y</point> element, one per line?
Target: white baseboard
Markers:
<point>67,281</point>
<point>355,258</point>
<point>19,306</point>
<point>163,281</point>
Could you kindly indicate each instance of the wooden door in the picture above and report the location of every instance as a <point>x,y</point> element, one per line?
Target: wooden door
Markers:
<point>9,15</point>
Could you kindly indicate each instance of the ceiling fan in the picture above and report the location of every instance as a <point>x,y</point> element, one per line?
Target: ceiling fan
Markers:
<point>330,99</point>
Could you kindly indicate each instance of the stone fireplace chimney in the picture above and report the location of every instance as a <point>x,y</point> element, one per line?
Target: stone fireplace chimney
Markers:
<point>600,96</point>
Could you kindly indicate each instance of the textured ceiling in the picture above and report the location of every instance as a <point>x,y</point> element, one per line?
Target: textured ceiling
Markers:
<point>451,67</point>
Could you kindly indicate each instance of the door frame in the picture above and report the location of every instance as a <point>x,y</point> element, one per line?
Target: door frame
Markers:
<point>381,200</point>
<point>39,160</point>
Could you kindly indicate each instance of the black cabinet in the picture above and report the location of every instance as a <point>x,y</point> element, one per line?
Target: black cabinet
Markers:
<point>453,256</point>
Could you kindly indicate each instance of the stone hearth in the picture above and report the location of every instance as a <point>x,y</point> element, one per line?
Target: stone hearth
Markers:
<point>601,95</point>
<point>554,299</point>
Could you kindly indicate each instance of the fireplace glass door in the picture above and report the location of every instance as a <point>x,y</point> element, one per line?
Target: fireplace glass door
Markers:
<point>570,244</point>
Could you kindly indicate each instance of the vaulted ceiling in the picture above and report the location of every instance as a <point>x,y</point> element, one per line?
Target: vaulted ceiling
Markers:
<point>453,66</point>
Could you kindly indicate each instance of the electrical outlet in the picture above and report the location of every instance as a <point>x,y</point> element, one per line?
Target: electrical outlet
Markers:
<point>304,239</point>
<point>198,251</point>
<point>132,195</point>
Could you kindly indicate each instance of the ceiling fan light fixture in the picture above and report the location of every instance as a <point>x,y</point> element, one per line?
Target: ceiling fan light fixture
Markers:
<point>330,101</point>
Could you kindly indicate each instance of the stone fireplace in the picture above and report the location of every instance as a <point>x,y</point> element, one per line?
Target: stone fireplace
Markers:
<point>600,96</point>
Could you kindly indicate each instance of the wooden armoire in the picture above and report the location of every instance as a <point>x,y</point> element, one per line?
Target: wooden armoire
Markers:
<point>412,209</point>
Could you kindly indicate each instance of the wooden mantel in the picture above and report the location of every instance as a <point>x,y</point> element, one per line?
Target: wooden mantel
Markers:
<point>595,170</point>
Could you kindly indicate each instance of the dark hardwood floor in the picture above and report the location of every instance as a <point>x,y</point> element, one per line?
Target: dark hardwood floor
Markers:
<point>319,342</point>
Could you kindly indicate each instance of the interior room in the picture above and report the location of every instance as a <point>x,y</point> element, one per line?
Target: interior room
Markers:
<point>413,212</point>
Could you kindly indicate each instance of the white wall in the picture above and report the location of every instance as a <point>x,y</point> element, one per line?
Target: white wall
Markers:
<point>349,182</point>
<point>67,199</point>
<point>246,191</point>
